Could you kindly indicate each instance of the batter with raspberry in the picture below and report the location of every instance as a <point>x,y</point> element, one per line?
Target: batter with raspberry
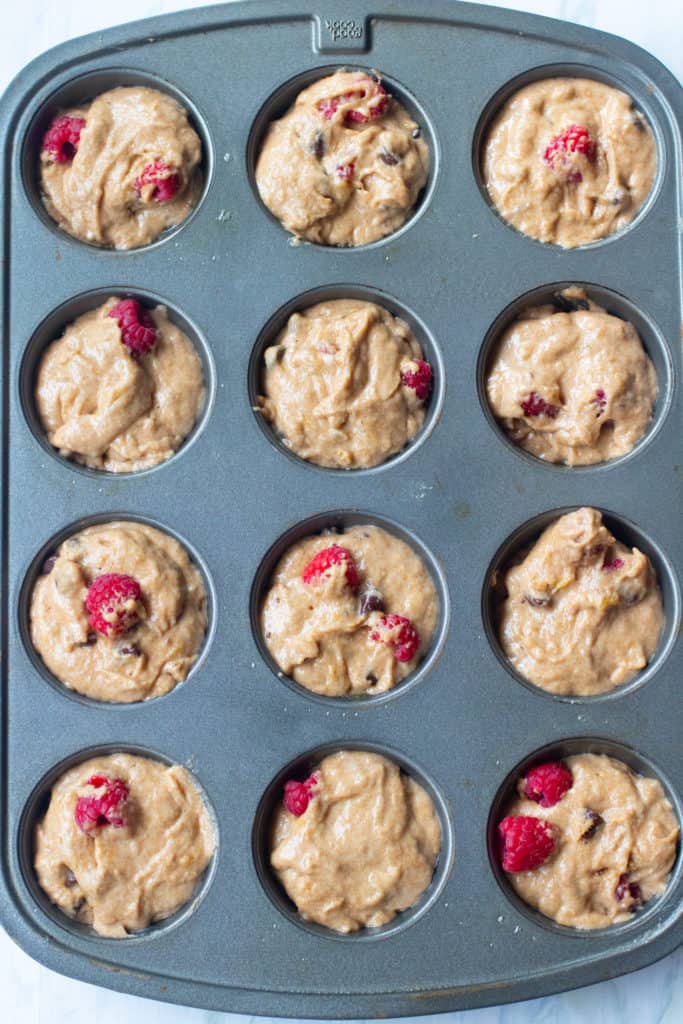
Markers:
<point>345,384</point>
<point>123,843</point>
<point>120,170</point>
<point>569,161</point>
<point>587,841</point>
<point>571,383</point>
<point>119,612</point>
<point>350,614</point>
<point>345,164</point>
<point>121,389</point>
<point>579,613</point>
<point>356,842</point>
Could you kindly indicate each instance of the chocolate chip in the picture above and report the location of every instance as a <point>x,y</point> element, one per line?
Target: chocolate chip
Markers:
<point>131,650</point>
<point>388,158</point>
<point>638,122</point>
<point>318,146</point>
<point>48,565</point>
<point>416,132</point>
<point>92,639</point>
<point>371,678</point>
<point>536,600</point>
<point>69,878</point>
<point>371,601</point>
<point>596,821</point>
<point>566,305</point>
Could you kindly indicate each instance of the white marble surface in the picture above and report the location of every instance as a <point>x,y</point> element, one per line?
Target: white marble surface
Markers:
<point>31,994</point>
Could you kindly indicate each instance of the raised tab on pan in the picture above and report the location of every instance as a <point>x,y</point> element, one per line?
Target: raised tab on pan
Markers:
<point>340,35</point>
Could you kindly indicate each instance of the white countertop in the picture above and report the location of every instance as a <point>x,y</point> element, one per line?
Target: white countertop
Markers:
<point>32,994</point>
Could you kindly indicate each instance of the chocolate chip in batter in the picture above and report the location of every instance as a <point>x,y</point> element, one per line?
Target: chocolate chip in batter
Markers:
<point>70,879</point>
<point>371,678</point>
<point>416,132</point>
<point>566,305</point>
<point>92,639</point>
<point>318,145</point>
<point>596,821</point>
<point>131,651</point>
<point>537,600</point>
<point>371,601</point>
<point>48,565</point>
<point>389,158</point>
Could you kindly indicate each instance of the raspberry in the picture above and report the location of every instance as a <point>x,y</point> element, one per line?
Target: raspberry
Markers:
<point>379,98</point>
<point>574,139</point>
<point>547,783</point>
<point>624,887</point>
<point>104,808</point>
<point>398,633</point>
<point>600,401</point>
<point>163,178</point>
<point>322,565</point>
<point>138,330</point>
<point>537,406</point>
<point>113,601</point>
<point>526,842</point>
<point>417,374</point>
<point>616,563</point>
<point>61,140</point>
<point>345,171</point>
<point>297,795</point>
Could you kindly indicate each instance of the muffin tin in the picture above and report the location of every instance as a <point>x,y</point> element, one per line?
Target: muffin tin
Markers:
<point>464,724</point>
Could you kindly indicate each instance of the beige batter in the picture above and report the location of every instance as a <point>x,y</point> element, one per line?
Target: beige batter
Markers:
<point>153,656</point>
<point>635,834</point>
<point>320,633</point>
<point>581,613</point>
<point>120,880</point>
<point>107,409</point>
<point>364,849</point>
<point>332,384</point>
<point>549,202</point>
<point>93,197</point>
<point>596,384</point>
<point>345,164</point>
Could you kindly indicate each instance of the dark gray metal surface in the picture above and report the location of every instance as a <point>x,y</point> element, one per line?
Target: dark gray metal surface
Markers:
<point>467,723</point>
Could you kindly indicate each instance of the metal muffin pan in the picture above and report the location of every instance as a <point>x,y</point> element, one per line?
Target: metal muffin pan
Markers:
<point>464,725</point>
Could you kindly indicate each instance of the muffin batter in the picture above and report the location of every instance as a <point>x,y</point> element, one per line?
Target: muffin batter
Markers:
<point>340,384</point>
<point>109,408</point>
<point>120,170</point>
<point>345,164</point>
<point>569,161</point>
<point>360,847</point>
<point>349,614</point>
<point>159,628</point>
<point>581,613</point>
<point>615,840</point>
<point>123,843</point>
<point>571,383</point>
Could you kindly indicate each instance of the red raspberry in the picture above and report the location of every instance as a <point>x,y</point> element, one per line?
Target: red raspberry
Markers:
<point>417,374</point>
<point>297,795</point>
<point>526,842</point>
<point>399,633</point>
<point>537,406</point>
<point>322,565</point>
<point>624,887</point>
<point>164,179</point>
<point>547,783</point>
<point>138,330</point>
<point>104,808</point>
<point>616,563</point>
<point>346,171</point>
<point>113,601</point>
<point>376,105</point>
<point>574,139</point>
<point>61,140</point>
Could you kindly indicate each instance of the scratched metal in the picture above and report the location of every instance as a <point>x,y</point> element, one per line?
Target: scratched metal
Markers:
<point>461,495</point>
